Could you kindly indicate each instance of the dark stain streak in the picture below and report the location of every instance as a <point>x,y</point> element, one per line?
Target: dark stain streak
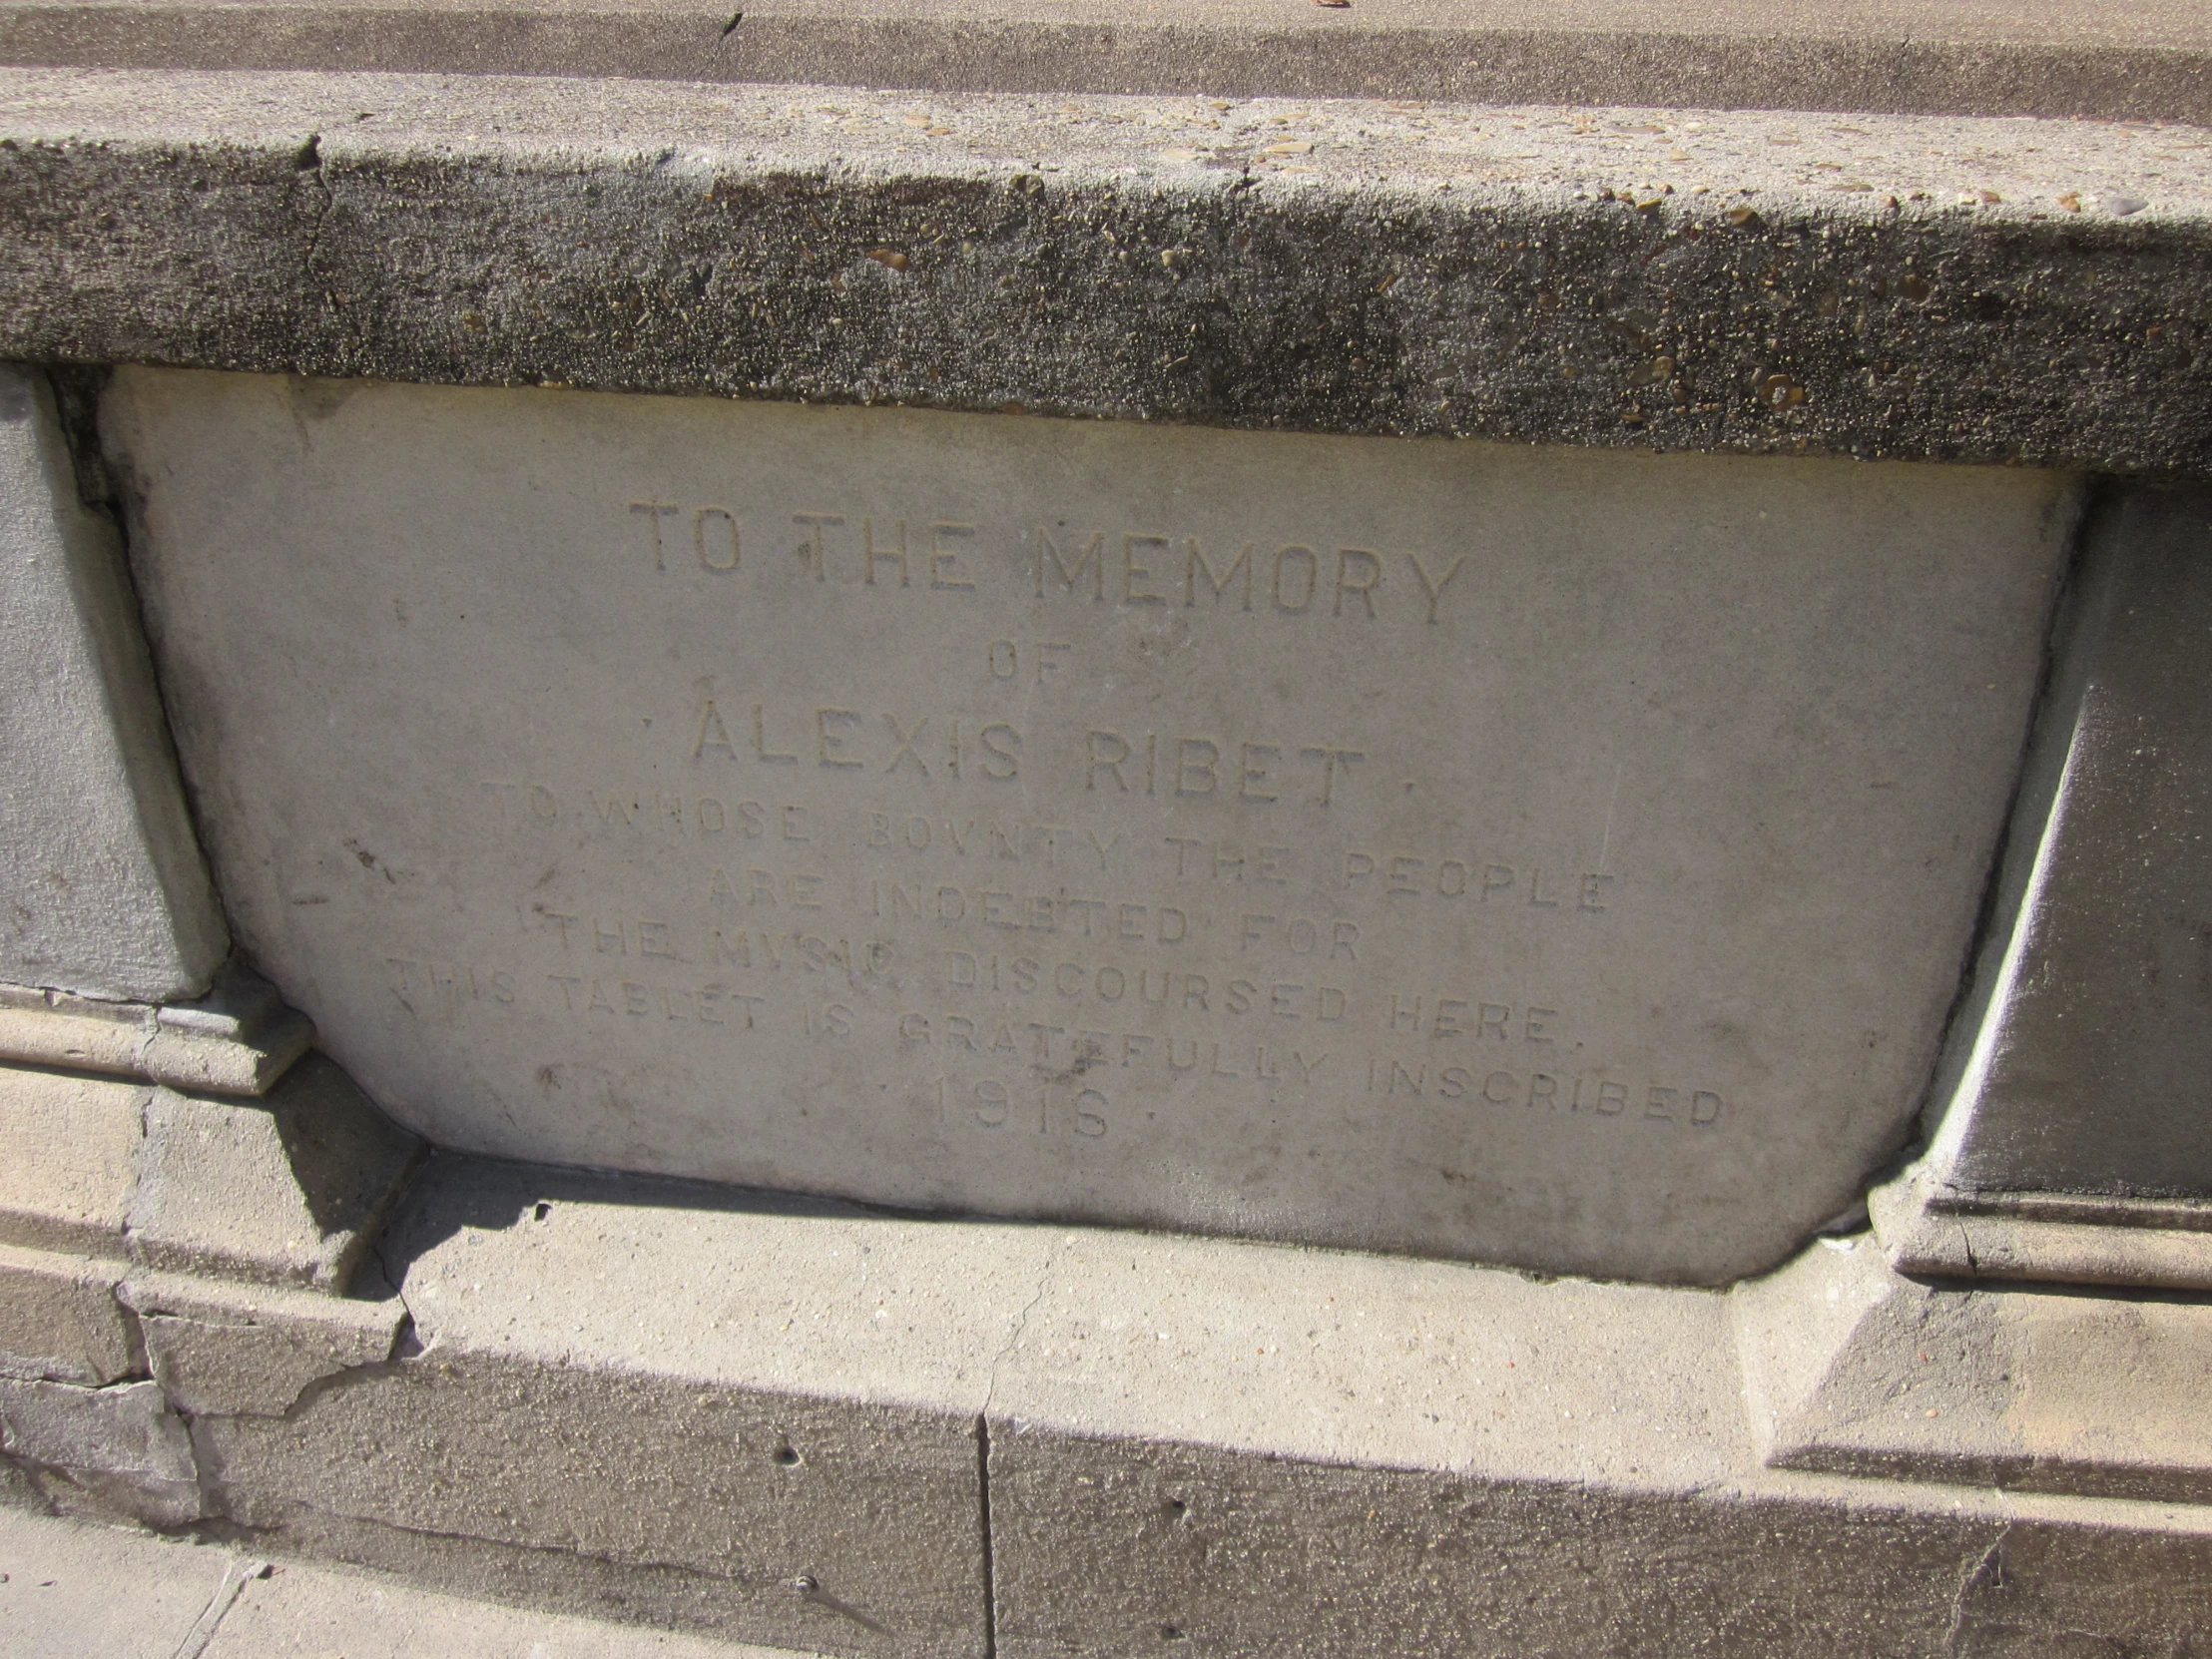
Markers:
<point>812,1590</point>
<point>368,861</point>
<point>1084,1061</point>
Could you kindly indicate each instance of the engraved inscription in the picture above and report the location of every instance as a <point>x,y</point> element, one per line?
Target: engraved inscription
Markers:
<point>1551,857</point>
<point>960,865</point>
<point>896,848</point>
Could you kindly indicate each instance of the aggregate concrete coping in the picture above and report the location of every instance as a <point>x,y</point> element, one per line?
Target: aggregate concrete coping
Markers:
<point>1981,289</point>
<point>1966,57</point>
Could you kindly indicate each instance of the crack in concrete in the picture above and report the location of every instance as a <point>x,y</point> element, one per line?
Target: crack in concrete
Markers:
<point>984,1537</point>
<point>228,1528</point>
<point>1986,1569</point>
<point>984,1528</point>
<point>393,1281</point>
<point>810,1591</point>
<point>237,1574</point>
<point>335,1382</point>
<point>1013,1337</point>
<point>307,158</point>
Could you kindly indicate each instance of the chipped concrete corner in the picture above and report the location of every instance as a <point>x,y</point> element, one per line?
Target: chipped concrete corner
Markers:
<point>130,1448</point>
<point>167,1257</point>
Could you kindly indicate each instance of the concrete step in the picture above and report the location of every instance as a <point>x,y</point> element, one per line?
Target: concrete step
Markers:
<point>2142,61</point>
<point>68,1590</point>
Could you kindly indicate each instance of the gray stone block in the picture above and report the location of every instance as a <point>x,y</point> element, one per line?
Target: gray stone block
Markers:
<point>2075,1143</point>
<point>1114,1547</point>
<point>1366,1361</point>
<point>103,884</point>
<point>60,1321</point>
<point>772,1412</point>
<point>2088,1075</point>
<point>820,1522</point>
<point>119,1448</point>
<point>289,1190</point>
<point>1856,1370</point>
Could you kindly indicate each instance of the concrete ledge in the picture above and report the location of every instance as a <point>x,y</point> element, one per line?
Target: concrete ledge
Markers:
<point>783,1421</point>
<point>1853,1369</point>
<point>798,1422</point>
<point>286,1191</point>
<point>118,1451</point>
<point>1118,1547</point>
<point>1930,1227</point>
<point>1984,291</point>
<point>289,1191</point>
<point>660,1498</point>
<point>2144,62</point>
<point>240,1039</point>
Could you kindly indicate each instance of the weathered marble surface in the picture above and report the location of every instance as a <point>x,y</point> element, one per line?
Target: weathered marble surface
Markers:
<point>102,887</point>
<point>1551,859</point>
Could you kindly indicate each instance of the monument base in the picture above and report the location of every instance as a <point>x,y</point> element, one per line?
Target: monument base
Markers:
<point>239,1039</point>
<point>1932,1227</point>
<point>813,1425</point>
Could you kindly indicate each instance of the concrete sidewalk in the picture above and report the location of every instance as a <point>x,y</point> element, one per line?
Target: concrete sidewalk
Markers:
<point>73,1591</point>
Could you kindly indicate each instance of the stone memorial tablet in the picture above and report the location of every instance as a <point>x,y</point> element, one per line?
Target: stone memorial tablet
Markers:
<point>1551,857</point>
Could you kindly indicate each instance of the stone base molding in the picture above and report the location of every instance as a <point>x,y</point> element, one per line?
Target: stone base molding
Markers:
<point>806,1424</point>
